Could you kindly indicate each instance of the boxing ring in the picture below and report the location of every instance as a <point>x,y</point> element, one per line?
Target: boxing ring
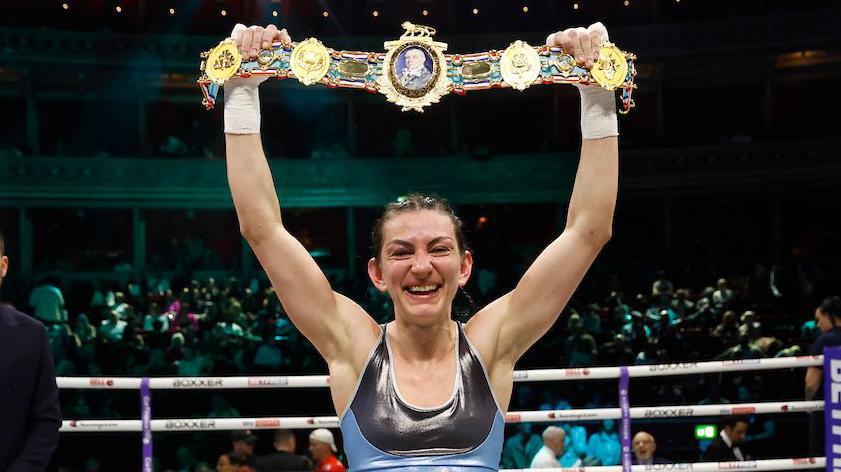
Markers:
<point>625,413</point>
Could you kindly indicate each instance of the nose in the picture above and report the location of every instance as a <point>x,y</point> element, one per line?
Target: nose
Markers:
<point>422,264</point>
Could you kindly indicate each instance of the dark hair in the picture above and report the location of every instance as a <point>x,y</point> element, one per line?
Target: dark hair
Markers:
<point>283,435</point>
<point>410,203</point>
<point>2,244</point>
<point>831,305</point>
<point>732,420</point>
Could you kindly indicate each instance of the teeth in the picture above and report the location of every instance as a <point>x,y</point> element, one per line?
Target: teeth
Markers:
<point>422,288</point>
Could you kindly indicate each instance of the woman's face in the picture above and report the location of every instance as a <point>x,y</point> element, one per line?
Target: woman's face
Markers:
<point>823,320</point>
<point>420,265</point>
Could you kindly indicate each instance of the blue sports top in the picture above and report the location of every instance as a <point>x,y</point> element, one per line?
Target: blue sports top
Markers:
<point>383,432</point>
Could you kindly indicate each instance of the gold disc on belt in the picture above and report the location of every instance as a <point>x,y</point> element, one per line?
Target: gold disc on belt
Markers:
<point>611,68</point>
<point>520,65</point>
<point>222,62</point>
<point>310,61</point>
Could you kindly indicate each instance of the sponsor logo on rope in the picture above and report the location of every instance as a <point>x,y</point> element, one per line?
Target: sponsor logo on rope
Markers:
<point>743,410</point>
<point>736,465</point>
<point>267,381</point>
<point>190,424</point>
<point>92,424</point>
<point>803,460</point>
<point>668,412</point>
<point>576,372</point>
<point>325,421</point>
<point>204,382</point>
<point>101,382</point>
<point>741,362</point>
<point>267,424</point>
<point>669,467</point>
<point>672,367</point>
<point>521,375</point>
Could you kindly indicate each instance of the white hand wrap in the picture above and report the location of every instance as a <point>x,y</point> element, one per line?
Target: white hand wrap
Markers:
<point>598,106</point>
<point>242,101</point>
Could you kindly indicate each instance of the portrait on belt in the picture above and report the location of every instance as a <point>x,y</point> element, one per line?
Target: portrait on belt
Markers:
<point>413,68</point>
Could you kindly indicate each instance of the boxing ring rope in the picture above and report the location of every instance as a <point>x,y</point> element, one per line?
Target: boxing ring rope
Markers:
<point>539,416</point>
<point>147,425</point>
<point>538,375</point>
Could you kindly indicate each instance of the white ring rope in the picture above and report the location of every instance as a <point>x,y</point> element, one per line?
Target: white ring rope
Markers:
<point>804,463</point>
<point>548,416</point>
<point>537,375</point>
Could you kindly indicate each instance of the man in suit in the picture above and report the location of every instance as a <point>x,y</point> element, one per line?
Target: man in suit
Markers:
<point>644,448</point>
<point>415,75</point>
<point>725,447</point>
<point>29,411</point>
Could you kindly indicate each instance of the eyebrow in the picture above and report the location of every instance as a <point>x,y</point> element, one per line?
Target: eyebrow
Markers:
<point>401,242</point>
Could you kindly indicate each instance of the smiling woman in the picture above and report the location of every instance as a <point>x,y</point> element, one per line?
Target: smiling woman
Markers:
<point>422,390</point>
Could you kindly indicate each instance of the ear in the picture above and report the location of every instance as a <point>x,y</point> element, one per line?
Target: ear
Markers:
<point>4,265</point>
<point>466,268</point>
<point>376,275</point>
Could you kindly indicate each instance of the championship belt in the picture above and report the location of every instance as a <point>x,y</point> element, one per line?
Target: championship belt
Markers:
<point>414,72</point>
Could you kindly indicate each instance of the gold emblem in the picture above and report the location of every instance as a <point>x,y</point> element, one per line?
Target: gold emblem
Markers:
<point>416,69</point>
<point>520,65</point>
<point>310,61</point>
<point>222,62</point>
<point>611,68</point>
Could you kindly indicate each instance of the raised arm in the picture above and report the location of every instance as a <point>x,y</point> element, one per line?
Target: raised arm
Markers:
<point>323,316</point>
<point>522,316</point>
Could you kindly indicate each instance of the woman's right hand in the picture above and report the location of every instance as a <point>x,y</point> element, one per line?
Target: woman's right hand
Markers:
<point>250,40</point>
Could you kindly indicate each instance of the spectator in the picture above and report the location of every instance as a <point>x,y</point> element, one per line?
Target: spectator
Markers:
<point>243,443</point>
<point>155,321</point>
<point>553,448</point>
<point>283,458</point>
<point>519,449</point>
<point>111,330</point>
<point>604,446</point>
<point>681,304</point>
<point>230,462</point>
<point>323,449</point>
<point>727,330</point>
<point>662,289</point>
<point>745,349</point>
<point>84,330</point>
<point>725,447</point>
<point>644,448</point>
<point>722,296</point>
<point>48,302</point>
